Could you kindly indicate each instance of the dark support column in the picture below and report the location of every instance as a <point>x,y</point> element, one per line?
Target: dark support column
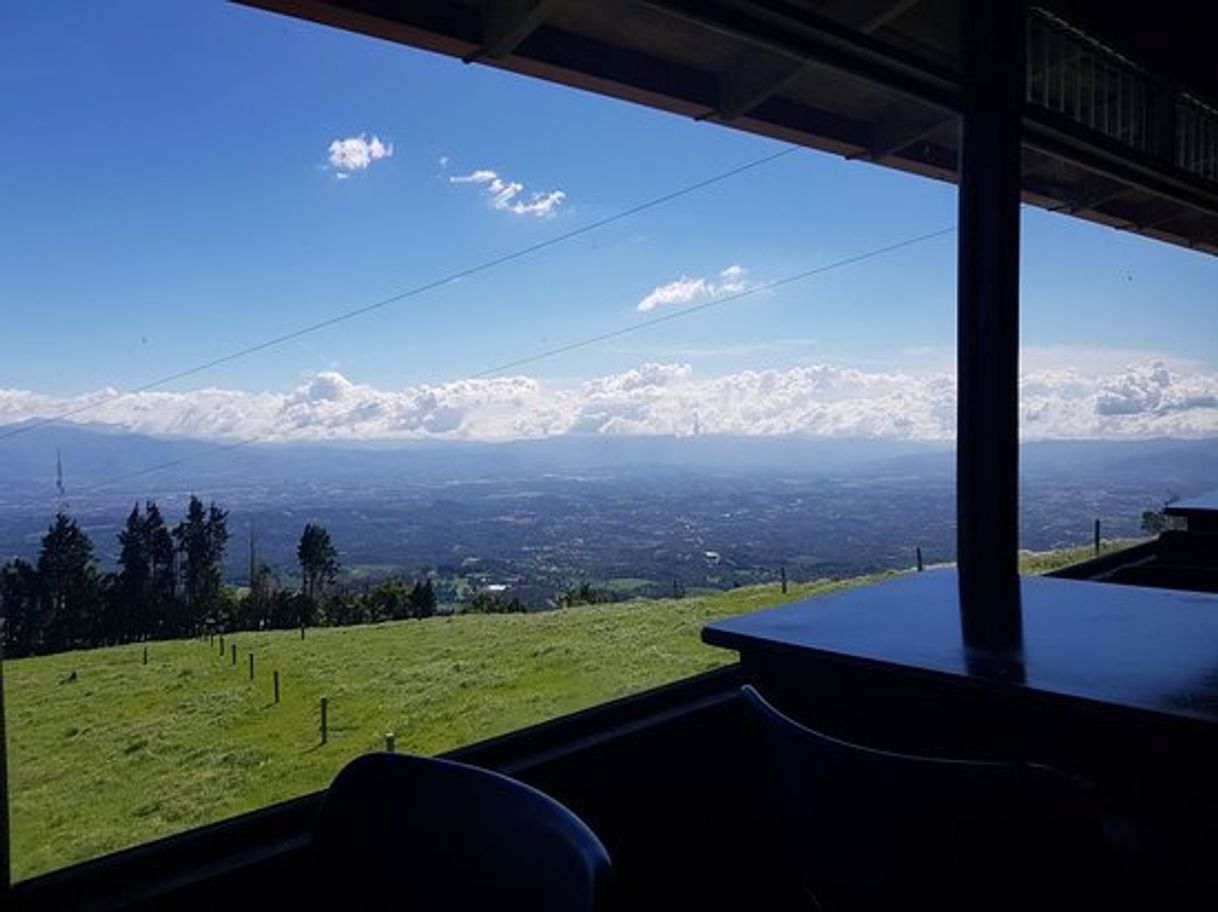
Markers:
<point>987,458</point>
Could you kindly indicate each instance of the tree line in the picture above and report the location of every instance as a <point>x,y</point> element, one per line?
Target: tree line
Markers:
<point>169,583</point>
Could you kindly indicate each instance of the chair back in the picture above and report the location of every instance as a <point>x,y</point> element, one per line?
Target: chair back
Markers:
<point>397,831</point>
<point>871,829</point>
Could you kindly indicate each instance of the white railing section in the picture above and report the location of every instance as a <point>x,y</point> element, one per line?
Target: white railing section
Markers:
<point>1081,79</point>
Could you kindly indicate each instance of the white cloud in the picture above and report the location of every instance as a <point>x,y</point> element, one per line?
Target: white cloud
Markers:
<point>816,400</point>
<point>731,279</point>
<point>686,290</point>
<point>356,153</point>
<point>475,177</point>
<point>679,291</point>
<point>503,194</point>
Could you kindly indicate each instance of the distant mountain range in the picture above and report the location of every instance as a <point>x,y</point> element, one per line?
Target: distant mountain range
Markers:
<point>102,458</point>
<point>643,513</point>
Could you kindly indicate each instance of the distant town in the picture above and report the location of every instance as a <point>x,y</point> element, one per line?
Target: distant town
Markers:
<point>300,536</point>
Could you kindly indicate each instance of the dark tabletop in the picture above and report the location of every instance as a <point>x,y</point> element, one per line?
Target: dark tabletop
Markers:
<point>1150,649</point>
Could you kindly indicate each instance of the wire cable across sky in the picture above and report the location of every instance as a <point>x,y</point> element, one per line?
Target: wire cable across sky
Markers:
<point>866,255</point>
<point>417,290</point>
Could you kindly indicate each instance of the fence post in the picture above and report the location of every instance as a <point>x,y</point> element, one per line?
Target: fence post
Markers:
<point>234,649</point>
<point>276,676</point>
<point>145,655</point>
<point>324,731</point>
<point>921,566</point>
<point>782,572</point>
<point>1097,538</point>
<point>251,666</point>
<point>221,645</point>
<point>390,743</point>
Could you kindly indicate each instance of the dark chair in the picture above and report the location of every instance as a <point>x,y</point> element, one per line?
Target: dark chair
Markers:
<point>404,832</point>
<point>869,829</point>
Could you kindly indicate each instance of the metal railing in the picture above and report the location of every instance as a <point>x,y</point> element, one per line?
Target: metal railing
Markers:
<point>1196,137</point>
<point>1081,79</point>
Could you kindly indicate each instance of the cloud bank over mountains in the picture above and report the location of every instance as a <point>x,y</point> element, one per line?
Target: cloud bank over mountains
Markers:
<point>816,400</point>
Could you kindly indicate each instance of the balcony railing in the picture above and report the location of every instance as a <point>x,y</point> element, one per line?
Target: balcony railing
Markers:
<point>1196,137</point>
<point>1081,79</point>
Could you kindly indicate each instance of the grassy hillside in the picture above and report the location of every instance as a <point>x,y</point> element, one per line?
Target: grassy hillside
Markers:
<point>106,752</point>
<point>1048,561</point>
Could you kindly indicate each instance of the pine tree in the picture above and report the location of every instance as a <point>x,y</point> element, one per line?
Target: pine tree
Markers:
<point>70,587</point>
<point>19,608</point>
<point>130,615</point>
<point>389,600</point>
<point>162,575</point>
<point>318,561</point>
<point>142,603</point>
<point>423,599</point>
<point>201,539</point>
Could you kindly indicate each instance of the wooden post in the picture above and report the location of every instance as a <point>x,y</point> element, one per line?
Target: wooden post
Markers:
<point>222,645</point>
<point>390,743</point>
<point>324,731</point>
<point>276,676</point>
<point>921,566</point>
<point>1097,538</point>
<point>145,655</point>
<point>782,571</point>
<point>302,631</point>
<point>251,666</point>
<point>234,648</point>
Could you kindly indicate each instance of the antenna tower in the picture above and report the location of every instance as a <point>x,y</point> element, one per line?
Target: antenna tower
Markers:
<point>62,506</point>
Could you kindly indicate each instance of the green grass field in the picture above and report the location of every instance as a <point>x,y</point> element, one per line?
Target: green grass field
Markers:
<point>106,752</point>
<point>1048,561</point>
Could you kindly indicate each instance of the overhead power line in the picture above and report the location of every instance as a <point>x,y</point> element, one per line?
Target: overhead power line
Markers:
<point>602,337</point>
<point>430,285</point>
<point>714,302</point>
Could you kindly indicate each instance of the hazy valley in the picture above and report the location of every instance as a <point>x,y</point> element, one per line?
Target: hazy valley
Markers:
<point>640,516</point>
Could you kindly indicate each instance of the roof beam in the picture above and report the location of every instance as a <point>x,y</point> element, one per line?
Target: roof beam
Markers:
<point>507,23</point>
<point>881,18</point>
<point>1057,138</point>
<point>864,15</point>
<point>804,37</point>
<point>749,84</point>
<point>903,127</point>
<point>746,86</point>
<point>1159,221</point>
<point>1089,201</point>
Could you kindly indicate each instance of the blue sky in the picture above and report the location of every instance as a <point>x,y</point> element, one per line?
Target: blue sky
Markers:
<point>168,199</point>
